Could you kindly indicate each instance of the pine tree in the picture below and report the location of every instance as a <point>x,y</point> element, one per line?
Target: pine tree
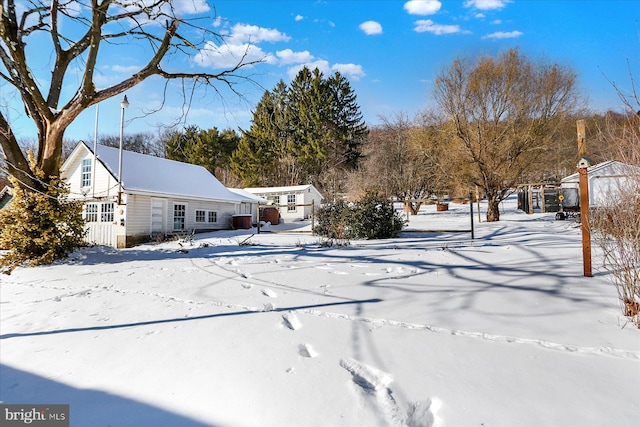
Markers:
<point>208,148</point>
<point>39,227</point>
<point>310,131</point>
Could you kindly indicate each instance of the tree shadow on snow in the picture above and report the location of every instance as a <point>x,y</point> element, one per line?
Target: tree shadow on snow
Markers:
<point>184,319</point>
<point>86,407</point>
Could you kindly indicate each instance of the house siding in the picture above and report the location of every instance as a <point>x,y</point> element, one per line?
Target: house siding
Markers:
<point>103,184</point>
<point>146,211</point>
<point>305,196</point>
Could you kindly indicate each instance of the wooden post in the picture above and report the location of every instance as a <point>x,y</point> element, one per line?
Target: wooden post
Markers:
<point>582,146</point>
<point>313,216</point>
<point>584,201</point>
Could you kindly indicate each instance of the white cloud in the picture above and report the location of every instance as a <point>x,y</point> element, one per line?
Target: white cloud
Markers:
<point>427,25</point>
<point>229,55</point>
<point>503,35</point>
<point>299,18</point>
<point>288,56</point>
<point>496,22</point>
<point>352,71</point>
<point>422,7</point>
<point>371,28</point>
<point>191,7</point>
<point>241,33</point>
<point>486,4</point>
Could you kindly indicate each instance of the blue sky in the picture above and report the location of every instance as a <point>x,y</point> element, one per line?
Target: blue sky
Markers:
<point>391,52</point>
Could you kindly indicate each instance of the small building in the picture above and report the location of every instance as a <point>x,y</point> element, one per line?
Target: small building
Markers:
<point>295,203</point>
<point>607,183</point>
<point>259,201</point>
<point>539,198</point>
<point>156,196</point>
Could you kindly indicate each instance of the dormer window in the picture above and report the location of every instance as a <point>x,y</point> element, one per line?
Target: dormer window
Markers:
<point>86,173</point>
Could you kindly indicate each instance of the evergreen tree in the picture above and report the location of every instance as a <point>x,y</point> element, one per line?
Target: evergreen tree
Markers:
<point>310,131</point>
<point>208,148</point>
<point>261,156</point>
<point>39,227</point>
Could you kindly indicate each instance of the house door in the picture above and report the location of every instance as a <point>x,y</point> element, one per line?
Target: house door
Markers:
<point>100,226</point>
<point>158,216</point>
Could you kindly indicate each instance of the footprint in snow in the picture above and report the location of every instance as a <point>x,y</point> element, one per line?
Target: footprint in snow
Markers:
<point>291,321</point>
<point>425,414</point>
<point>376,384</point>
<point>269,293</point>
<point>306,350</point>
<point>247,285</point>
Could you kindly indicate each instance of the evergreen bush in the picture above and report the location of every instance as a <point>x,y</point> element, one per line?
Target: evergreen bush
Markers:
<point>371,217</point>
<point>39,227</point>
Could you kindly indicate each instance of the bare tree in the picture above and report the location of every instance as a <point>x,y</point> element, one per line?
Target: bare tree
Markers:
<point>402,159</point>
<point>617,223</point>
<point>503,113</point>
<point>76,30</point>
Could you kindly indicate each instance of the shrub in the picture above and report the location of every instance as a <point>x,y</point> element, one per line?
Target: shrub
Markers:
<point>39,227</point>
<point>371,217</point>
<point>616,225</point>
<point>333,219</point>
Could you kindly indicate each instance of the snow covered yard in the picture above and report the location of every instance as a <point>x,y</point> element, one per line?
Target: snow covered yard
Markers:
<point>428,329</point>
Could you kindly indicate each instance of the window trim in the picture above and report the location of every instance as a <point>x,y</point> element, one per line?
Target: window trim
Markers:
<point>183,216</point>
<point>291,206</point>
<point>203,220</point>
<point>91,212</point>
<point>86,173</point>
<point>107,212</point>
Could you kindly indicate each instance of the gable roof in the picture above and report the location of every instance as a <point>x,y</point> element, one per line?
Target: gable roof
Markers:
<point>248,195</point>
<point>610,168</point>
<point>144,174</point>
<point>280,190</point>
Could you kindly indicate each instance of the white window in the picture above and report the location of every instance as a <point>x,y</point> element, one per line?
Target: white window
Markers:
<point>179,215</point>
<point>106,212</point>
<point>86,173</point>
<point>91,212</point>
<point>276,200</point>
<point>291,202</point>
<point>200,215</point>
<point>213,216</point>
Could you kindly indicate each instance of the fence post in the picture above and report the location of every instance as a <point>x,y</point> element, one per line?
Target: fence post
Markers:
<point>313,215</point>
<point>471,208</point>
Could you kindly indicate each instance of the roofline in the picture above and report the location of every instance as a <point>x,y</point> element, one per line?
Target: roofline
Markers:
<point>180,196</point>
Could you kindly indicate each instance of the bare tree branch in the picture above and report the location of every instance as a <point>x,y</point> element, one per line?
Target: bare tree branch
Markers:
<point>90,25</point>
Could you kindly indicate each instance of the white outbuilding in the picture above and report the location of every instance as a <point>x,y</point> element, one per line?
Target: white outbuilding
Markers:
<point>295,203</point>
<point>608,182</point>
<point>155,197</point>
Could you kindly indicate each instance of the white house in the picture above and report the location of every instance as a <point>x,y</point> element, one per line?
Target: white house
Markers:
<point>295,202</point>
<point>156,196</point>
<point>607,180</point>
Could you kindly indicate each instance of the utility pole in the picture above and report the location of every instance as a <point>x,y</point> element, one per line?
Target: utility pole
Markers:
<point>583,164</point>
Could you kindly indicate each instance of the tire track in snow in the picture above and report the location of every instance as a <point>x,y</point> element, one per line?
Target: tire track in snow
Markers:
<point>566,348</point>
